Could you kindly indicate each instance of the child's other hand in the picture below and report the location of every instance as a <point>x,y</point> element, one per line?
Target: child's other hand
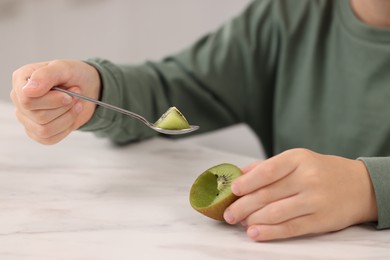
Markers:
<point>300,192</point>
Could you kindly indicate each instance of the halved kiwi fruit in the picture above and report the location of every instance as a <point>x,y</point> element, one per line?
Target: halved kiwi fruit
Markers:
<point>172,119</point>
<point>211,193</point>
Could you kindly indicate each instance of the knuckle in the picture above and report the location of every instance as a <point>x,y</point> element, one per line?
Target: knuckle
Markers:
<point>18,116</point>
<point>59,63</point>
<point>303,152</point>
<point>268,169</point>
<point>40,134</point>
<point>25,102</point>
<point>56,62</point>
<point>44,141</point>
<point>12,95</point>
<point>264,196</point>
<point>291,229</point>
<point>41,117</point>
<point>43,131</point>
<point>22,72</point>
<point>275,215</point>
<point>238,211</point>
<point>16,73</point>
<point>48,141</point>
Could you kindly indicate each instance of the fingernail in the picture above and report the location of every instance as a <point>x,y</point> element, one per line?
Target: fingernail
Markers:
<point>252,232</point>
<point>228,216</point>
<point>31,84</point>
<point>235,189</point>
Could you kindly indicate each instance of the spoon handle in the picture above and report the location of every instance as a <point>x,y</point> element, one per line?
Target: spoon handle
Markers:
<point>103,104</point>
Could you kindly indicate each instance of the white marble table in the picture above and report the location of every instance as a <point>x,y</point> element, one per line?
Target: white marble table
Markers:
<point>87,199</point>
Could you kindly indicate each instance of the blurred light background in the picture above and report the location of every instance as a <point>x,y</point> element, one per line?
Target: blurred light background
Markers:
<point>125,31</point>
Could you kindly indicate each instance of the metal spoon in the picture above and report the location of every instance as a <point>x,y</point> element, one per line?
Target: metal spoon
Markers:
<point>129,113</point>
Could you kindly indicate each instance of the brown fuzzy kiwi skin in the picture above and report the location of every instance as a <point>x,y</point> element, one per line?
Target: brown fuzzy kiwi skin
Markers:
<point>216,210</point>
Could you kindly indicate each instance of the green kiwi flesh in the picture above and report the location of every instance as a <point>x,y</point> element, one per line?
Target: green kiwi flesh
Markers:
<point>211,193</point>
<point>172,119</point>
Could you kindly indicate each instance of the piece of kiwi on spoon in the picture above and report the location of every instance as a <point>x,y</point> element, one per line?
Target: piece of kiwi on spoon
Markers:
<point>172,119</point>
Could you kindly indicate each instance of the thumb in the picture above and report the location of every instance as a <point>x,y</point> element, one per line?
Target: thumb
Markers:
<point>43,79</point>
<point>31,88</point>
<point>35,88</point>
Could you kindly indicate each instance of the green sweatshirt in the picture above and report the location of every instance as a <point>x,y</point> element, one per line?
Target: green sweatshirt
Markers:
<point>302,73</point>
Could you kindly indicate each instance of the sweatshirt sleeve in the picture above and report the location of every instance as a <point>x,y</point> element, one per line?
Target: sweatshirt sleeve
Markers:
<point>210,82</point>
<point>379,170</point>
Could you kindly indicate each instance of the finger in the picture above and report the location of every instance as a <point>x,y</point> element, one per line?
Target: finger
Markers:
<point>292,228</point>
<point>280,211</point>
<point>52,100</point>
<point>265,173</point>
<point>249,167</point>
<point>248,204</point>
<point>20,76</point>
<point>45,116</point>
<point>51,140</point>
<point>45,109</point>
<point>47,131</point>
<point>44,78</point>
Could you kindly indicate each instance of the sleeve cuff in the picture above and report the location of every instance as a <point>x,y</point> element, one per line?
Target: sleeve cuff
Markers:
<point>379,171</point>
<point>104,118</point>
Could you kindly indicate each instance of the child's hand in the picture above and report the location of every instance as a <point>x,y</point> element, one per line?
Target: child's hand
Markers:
<point>49,116</point>
<point>300,192</point>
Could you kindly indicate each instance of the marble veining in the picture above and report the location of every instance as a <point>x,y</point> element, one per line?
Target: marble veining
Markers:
<point>85,198</point>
